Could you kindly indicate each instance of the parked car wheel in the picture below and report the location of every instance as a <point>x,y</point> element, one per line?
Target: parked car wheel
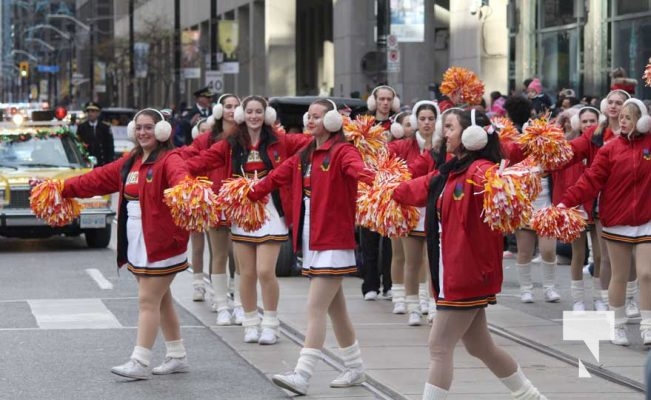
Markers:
<point>98,238</point>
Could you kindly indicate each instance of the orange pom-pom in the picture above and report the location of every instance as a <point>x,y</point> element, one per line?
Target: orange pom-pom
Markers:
<point>507,205</point>
<point>239,209</point>
<point>376,209</point>
<point>647,73</point>
<point>47,203</point>
<point>506,129</point>
<point>462,86</point>
<point>192,204</point>
<point>546,143</point>
<point>366,136</point>
<point>565,224</point>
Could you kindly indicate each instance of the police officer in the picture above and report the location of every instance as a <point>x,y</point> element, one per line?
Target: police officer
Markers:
<point>96,135</point>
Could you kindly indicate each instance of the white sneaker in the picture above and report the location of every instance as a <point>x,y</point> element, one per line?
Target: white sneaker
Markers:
<point>268,336</point>
<point>620,336</point>
<point>526,297</point>
<point>238,315</point>
<point>400,307</point>
<point>292,381</point>
<point>431,316</point>
<point>133,369</point>
<point>251,334</point>
<point>415,318</point>
<point>646,336</point>
<point>578,306</point>
<point>224,317</point>
<point>388,295</point>
<point>632,308</point>
<point>350,377</point>
<point>537,260</point>
<point>424,307</point>
<point>551,295</point>
<point>172,366</point>
<point>213,307</point>
<point>199,293</point>
<point>370,296</point>
<point>600,305</point>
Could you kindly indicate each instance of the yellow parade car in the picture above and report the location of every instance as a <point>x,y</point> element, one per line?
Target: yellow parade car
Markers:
<point>32,150</point>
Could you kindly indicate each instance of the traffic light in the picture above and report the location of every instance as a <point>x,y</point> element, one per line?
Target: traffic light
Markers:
<point>24,69</point>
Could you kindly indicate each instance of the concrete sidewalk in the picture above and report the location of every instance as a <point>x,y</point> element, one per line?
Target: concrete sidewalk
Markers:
<point>396,355</point>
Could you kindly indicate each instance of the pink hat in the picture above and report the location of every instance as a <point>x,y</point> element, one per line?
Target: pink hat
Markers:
<point>535,85</point>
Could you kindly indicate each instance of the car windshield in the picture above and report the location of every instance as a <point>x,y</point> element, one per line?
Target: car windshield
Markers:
<point>49,151</point>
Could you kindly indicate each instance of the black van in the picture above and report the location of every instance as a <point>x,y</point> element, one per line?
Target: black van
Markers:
<point>290,109</point>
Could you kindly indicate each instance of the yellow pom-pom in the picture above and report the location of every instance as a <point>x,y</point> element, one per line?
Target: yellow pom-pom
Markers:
<point>367,137</point>
<point>239,209</point>
<point>193,204</point>
<point>565,224</point>
<point>376,209</point>
<point>47,203</point>
<point>647,73</point>
<point>546,143</point>
<point>462,86</point>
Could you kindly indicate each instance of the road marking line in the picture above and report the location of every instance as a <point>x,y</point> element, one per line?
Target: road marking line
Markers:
<point>97,276</point>
<point>73,314</point>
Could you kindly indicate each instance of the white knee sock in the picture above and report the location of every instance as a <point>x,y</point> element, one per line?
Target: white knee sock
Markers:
<point>548,274</point>
<point>142,355</point>
<point>524,277</point>
<point>577,290</point>
<point>307,361</point>
<point>398,290</point>
<point>620,314</point>
<point>423,292</point>
<point>197,279</point>
<point>645,323</point>
<point>631,289</point>
<point>412,303</point>
<point>237,302</point>
<point>520,387</point>
<point>352,356</point>
<point>270,320</point>
<point>175,349</point>
<point>220,294</point>
<point>596,288</point>
<point>432,392</point>
<point>251,319</point>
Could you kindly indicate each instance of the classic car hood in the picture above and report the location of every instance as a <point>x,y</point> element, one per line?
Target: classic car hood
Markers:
<point>24,175</point>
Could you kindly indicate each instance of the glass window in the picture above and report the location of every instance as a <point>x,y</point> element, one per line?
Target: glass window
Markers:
<point>631,49</point>
<point>631,6</point>
<point>556,13</point>
<point>557,60</point>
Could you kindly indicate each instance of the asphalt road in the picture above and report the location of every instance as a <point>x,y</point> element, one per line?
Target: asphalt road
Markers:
<point>60,333</point>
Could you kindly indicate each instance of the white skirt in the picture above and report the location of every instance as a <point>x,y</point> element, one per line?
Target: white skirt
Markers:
<point>419,230</point>
<point>324,262</point>
<point>273,230</point>
<point>544,199</point>
<point>137,250</point>
<point>628,233</point>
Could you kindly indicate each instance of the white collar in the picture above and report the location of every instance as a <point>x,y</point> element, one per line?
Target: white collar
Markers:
<point>421,141</point>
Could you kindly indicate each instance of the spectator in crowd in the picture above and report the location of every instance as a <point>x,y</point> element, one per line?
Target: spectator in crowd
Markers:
<point>96,135</point>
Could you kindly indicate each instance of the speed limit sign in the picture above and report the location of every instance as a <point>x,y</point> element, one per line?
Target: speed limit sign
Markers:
<point>215,81</point>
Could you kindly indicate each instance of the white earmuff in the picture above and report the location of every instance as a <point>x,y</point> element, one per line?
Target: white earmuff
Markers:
<point>603,106</point>
<point>644,123</point>
<point>332,120</point>
<point>305,118</point>
<point>270,114</point>
<point>218,111</point>
<point>195,132</point>
<point>397,131</point>
<point>413,118</point>
<point>210,122</point>
<point>575,121</point>
<point>371,103</point>
<point>162,129</point>
<point>474,137</point>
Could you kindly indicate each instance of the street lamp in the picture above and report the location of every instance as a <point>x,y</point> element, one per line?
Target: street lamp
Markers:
<point>26,54</point>
<point>41,42</point>
<point>64,35</point>
<point>85,27</point>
